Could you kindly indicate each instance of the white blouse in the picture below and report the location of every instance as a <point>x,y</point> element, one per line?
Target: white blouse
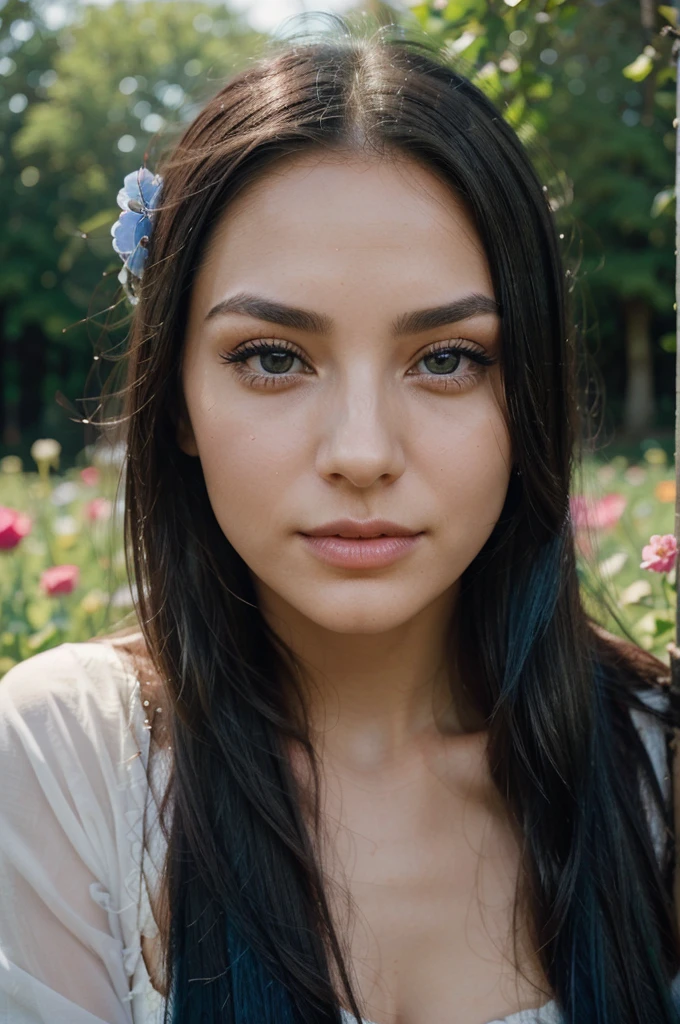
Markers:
<point>74,902</point>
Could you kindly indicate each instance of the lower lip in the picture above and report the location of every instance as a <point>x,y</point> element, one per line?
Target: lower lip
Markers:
<point>361,553</point>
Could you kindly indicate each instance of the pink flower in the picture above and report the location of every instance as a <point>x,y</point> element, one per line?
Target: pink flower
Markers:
<point>98,508</point>
<point>659,554</point>
<point>60,579</point>
<point>602,514</point>
<point>13,527</point>
<point>90,476</point>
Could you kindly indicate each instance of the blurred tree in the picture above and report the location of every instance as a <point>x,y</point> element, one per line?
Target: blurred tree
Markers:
<point>110,88</point>
<point>618,146</point>
<point>27,245</point>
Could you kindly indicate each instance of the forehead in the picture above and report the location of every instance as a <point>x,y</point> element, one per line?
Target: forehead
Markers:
<point>344,220</point>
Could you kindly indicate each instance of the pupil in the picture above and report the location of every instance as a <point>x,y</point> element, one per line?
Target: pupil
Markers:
<point>442,362</point>
<point>279,361</point>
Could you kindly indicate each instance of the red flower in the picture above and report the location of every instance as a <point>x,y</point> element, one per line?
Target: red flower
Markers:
<point>659,554</point>
<point>90,476</point>
<point>98,508</point>
<point>597,515</point>
<point>60,579</point>
<point>13,527</point>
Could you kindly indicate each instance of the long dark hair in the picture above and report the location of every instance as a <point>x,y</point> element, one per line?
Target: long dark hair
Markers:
<point>250,938</point>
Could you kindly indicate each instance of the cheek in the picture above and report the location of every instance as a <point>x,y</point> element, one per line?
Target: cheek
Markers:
<point>470,470</point>
<point>248,462</point>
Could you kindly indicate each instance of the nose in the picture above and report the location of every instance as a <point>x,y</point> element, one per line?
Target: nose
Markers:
<point>361,434</point>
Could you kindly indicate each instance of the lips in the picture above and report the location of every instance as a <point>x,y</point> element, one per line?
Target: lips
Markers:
<point>352,529</point>
<point>360,553</point>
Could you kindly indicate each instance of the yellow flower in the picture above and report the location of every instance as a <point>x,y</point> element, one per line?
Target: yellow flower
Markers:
<point>656,456</point>
<point>94,602</point>
<point>65,529</point>
<point>665,491</point>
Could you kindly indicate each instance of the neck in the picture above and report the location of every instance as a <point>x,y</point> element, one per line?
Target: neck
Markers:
<point>371,697</point>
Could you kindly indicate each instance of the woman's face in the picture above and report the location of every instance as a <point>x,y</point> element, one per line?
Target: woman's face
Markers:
<point>324,380</point>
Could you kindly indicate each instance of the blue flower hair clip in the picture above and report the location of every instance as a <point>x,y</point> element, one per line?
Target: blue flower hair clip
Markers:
<point>138,200</point>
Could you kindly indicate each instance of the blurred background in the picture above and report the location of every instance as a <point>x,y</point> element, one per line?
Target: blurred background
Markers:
<point>88,91</point>
<point>92,90</point>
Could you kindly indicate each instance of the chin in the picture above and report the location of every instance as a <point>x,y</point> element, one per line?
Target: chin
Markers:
<point>354,607</point>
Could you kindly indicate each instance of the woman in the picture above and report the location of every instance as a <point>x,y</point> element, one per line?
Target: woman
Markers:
<point>381,760</point>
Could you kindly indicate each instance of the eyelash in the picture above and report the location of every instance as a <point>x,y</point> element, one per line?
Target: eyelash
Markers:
<point>261,346</point>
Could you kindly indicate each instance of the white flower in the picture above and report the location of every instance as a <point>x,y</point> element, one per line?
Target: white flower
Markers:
<point>65,493</point>
<point>124,597</point>
<point>65,526</point>
<point>46,451</point>
<point>613,565</point>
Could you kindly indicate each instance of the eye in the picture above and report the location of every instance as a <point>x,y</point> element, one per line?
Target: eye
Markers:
<point>442,363</point>
<point>261,361</point>
<point>270,362</point>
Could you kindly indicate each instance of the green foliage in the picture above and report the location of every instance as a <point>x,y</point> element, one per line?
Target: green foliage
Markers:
<point>124,79</point>
<point>102,95</point>
<point>592,94</point>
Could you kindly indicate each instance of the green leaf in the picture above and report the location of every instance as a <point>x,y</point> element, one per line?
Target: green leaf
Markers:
<point>639,69</point>
<point>540,90</point>
<point>668,342</point>
<point>669,13</point>
<point>515,110</point>
<point>662,626</point>
<point>662,201</point>
<point>421,12</point>
<point>488,79</point>
<point>456,10</point>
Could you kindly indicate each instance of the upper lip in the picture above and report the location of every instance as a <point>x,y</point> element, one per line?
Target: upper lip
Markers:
<point>361,528</point>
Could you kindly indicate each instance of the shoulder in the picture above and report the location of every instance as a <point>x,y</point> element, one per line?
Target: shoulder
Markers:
<point>70,764</point>
<point>67,713</point>
<point>86,682</point>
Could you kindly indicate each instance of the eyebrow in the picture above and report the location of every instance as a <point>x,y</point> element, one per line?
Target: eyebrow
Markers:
<point>416,322</point>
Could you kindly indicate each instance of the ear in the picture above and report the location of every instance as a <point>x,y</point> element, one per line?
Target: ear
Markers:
<point>185,433</point>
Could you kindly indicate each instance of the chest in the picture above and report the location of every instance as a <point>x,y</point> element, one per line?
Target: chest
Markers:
<point>431,870</point>
<point>431,873</point>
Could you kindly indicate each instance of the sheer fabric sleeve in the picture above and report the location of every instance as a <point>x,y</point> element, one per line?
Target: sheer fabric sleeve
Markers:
<point>65,813</point>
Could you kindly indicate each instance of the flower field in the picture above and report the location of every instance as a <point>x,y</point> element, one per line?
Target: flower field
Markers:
<point>62,569</point>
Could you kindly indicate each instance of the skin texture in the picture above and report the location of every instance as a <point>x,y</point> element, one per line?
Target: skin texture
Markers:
<point>356,437</point>
<point>359,426</point>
